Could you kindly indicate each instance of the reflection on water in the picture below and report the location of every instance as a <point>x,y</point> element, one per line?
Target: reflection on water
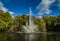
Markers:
<point>29,37</point>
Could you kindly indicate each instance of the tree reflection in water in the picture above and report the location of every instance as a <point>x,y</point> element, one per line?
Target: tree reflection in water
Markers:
<point>29,37</point>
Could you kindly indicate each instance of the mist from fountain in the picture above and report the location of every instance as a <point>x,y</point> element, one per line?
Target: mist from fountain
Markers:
<point>29,28</point>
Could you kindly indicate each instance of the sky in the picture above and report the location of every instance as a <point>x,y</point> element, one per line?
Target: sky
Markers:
<point>39,7</point>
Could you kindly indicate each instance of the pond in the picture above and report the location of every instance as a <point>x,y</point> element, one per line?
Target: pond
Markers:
<point>29,36</point>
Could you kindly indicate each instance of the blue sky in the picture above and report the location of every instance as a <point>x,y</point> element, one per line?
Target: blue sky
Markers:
<point>19,7</point>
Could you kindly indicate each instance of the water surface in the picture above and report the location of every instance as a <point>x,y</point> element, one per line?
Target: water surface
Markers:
<point>29,37</point>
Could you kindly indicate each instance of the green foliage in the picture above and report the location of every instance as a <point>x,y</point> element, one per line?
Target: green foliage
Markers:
<point>24,19</point>
<point>18,22</point>
<point>7,17</point>
<point>57,23</point>
<point>4,20</point>
<point>48,23</point>
<point>41,24</point>
<point>2,25</point>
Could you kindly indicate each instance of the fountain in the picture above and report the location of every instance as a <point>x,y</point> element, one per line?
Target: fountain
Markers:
<point>30,28</point>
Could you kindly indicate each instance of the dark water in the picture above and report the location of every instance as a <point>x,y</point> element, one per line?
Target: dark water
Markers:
<point>29,37</point>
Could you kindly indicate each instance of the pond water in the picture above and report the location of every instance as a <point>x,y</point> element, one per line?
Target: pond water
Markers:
<point>29,37</point>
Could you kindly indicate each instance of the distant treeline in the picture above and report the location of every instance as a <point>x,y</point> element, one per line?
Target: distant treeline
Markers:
<point>47,23</point>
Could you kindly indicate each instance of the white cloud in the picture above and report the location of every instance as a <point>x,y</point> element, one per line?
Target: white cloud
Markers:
<point>5,9</point>
<point>40,17</point>
<point>44,6</point>
<point>11,12</point>
<point>2,7</point>
<point>48,11</point>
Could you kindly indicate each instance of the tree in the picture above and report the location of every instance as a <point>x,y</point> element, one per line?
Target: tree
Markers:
<point>25,19</point>
<point>18,22</point>
<point>4,20</point>
<point>2,25</point>
<point>41,24</point>
<point>1,14</point>
<point>57,23</point>
<point>7,17</point>
<point>49,23</point>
